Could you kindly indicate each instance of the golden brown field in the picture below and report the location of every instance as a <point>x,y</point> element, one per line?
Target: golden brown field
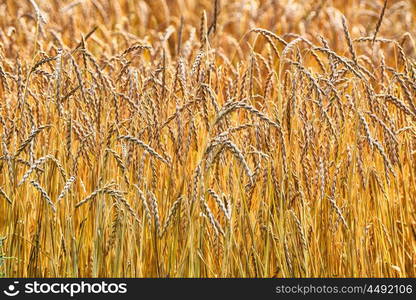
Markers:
<point>203,138</point>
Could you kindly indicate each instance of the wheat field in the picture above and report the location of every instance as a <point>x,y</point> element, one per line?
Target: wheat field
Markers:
<point>206,138</point>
